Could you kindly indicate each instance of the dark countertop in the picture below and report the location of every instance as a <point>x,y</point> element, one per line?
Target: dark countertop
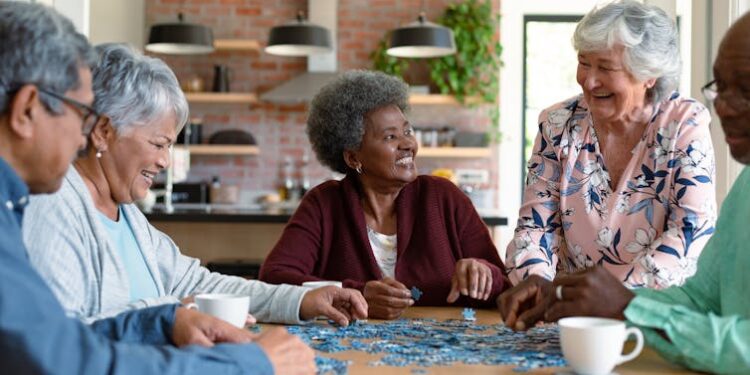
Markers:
<point>206,213</point>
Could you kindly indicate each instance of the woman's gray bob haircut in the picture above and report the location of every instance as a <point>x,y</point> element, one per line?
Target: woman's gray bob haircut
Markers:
<point>337,113</point>
<point>134,90</point>
<point>649,36</point>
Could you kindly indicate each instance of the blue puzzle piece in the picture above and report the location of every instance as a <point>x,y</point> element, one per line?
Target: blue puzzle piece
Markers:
<point>469,314</point>
<point>416,294</point>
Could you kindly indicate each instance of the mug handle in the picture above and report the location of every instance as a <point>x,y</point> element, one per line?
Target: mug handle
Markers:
<point>638,344</point>
<point>194,306</point>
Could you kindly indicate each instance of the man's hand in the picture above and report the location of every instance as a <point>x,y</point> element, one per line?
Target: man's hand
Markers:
<point>387,298</point>
<point>471,278</point>
<point>338,304</point>
<point>525,304</point>
<point>287,353</point>
<point>591,292</point>
<point>192,327</point>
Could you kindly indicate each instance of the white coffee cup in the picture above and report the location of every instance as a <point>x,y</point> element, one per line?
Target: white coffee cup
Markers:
<point>320,284</point>
<point>593,346</point>
<point>232,308</point>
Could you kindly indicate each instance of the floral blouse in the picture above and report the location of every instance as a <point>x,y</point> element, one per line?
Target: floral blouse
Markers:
<point>649,230</point>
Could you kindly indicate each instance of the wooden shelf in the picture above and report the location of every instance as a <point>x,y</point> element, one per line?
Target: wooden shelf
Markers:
<point>454,152</point>
<point>237,45</point>
<point>223,150</point>
<point>438,99</point>
<point>222,97</point>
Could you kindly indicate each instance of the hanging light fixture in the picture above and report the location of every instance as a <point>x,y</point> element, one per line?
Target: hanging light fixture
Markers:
<point>181,38</point>
<point>422,39</point>
<point>299,38</point>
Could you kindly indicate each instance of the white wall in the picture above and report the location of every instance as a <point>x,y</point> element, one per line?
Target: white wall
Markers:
<point>118,21</point>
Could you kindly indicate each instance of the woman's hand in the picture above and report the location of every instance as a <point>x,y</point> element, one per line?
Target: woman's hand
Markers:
<point>471,278</point>
<point>525,304</point>
<point>338,304</point>
<point>387,298</point>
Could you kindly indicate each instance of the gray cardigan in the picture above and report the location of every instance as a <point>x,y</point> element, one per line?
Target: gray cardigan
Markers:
<point>71,250</point>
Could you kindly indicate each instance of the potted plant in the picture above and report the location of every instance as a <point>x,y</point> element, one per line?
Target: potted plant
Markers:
<point>473,72</point>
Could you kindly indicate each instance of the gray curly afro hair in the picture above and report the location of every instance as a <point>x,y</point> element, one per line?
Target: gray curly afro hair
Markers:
<point>337,113</point>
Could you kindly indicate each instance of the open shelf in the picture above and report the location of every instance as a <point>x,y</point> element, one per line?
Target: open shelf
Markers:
<point>223,150</point>
<point>454,152</point>
<point>222,97</point>
<point>438,99</point>
<point>237,45</point>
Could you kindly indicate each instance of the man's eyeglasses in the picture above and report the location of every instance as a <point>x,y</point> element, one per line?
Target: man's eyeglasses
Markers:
<point>734,100</point>
<point>89,115</point>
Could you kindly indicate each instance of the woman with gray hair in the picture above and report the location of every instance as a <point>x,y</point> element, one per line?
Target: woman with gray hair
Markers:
<point>622,175</point>
<point>383,229</point>
<point>108,258</point>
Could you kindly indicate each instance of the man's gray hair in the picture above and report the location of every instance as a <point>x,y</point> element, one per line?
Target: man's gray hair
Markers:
<point>337,113</point>
<point>134,90</point>
<point>649,36</point>
<point>39,47</point>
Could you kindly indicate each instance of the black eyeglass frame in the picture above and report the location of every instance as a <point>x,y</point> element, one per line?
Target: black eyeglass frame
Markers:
<point>735,101</point>
<point>87,112</point>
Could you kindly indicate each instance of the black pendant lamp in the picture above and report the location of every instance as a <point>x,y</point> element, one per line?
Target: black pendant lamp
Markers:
<point>299,38</point>
<point>181,38</point>
<point>422,39</point>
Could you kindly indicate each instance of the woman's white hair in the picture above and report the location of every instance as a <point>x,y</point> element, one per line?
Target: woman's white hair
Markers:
<point>648,35</point>
<point>134,90</point>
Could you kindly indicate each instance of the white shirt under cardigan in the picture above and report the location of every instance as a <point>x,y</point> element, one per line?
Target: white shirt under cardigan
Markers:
<point>71,250</point>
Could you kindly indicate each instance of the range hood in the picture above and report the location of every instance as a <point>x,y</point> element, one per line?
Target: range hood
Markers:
<point>321,68</point>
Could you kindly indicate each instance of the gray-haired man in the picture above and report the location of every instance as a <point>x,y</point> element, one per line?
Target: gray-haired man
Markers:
<point>45,98</point>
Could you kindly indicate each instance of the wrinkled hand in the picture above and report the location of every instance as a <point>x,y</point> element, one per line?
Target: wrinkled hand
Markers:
<point>591,292</point>
<point>287,353</point>
<point>471,278</point>
<point>339,305</point>
<point>192,327</point>
<point>525,304</point>
<point>387,298</point>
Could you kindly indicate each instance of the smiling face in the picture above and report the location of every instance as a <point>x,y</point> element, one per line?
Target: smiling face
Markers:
<point>611,92</point>
<point>134,157</point>
<point>59,139</point>
<point>732,74</point>
<point>386,155</point>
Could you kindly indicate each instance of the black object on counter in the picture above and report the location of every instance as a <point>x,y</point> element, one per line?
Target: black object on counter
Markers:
<point>186,193</point>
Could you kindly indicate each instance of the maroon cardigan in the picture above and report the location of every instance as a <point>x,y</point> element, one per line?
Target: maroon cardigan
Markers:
<point>436,225</point>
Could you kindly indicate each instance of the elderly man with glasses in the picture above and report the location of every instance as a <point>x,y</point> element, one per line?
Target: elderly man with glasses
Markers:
<point>45,88</point>
<point>704,324</point>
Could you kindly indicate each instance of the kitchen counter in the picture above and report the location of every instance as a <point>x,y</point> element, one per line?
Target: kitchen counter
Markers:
<point>229,214</point>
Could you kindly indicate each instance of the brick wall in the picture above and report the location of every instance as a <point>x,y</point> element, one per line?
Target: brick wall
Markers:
<point>279,129</point>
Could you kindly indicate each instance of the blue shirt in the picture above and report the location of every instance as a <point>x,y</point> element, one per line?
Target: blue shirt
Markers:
<point>37,337</point>
<point>141,281</point>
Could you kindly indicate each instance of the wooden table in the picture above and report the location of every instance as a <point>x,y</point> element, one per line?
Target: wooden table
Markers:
<point>649,362</point>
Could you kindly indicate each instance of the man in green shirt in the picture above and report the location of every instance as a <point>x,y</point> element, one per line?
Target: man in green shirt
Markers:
<point>704,324</point>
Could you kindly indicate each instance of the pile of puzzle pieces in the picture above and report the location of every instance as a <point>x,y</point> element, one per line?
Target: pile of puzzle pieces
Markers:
<point>427,342</point>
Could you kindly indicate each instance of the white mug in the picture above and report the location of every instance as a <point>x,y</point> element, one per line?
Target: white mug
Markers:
<point>232,308</point>
<point>593,346</point>
<point>320,284</point>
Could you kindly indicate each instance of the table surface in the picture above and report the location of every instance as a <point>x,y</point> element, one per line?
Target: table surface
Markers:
<point>649,362</point>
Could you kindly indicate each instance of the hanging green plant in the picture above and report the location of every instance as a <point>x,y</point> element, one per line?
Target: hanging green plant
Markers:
<point>473,72</point>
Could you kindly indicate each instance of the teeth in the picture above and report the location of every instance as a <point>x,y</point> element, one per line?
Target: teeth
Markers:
<point>148,175</point>
<point>406,160</point>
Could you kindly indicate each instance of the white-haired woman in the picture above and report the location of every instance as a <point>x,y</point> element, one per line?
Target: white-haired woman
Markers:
<point>107,257</point>
<point>622,175</point>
